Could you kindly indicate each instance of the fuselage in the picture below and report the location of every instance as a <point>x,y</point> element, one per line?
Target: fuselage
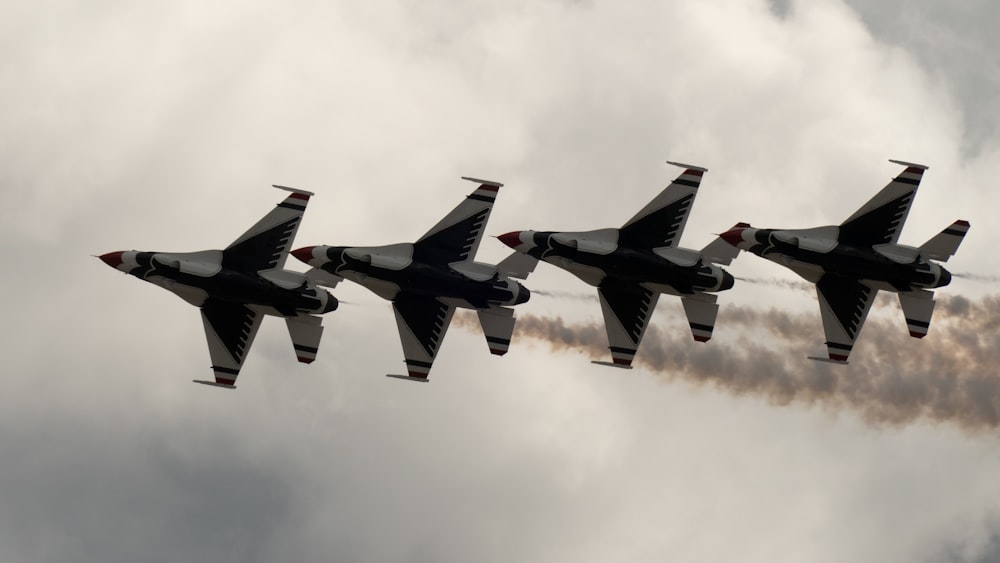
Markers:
<point>813,253</point>
<point>199,276</point>
<point>393,269</point>
<point>595,255</point>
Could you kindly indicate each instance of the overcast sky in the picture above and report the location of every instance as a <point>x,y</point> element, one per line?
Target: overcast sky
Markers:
<point>160,126</point>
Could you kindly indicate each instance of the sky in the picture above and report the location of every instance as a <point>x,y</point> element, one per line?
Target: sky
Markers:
<point>161,126</point>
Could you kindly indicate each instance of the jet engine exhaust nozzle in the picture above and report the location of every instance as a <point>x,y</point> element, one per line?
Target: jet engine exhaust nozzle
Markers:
<point>522,295</point>
<point>728,281</point>
<point>944,279</point>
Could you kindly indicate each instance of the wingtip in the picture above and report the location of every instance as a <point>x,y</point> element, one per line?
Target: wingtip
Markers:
<point>483,182</point>
<point>843,362</point>
<point>214,384</point>
<point>612,364</point>
<point>909,164</point>
<point>293,190</point>
<point>408,377</point>
<point>688,166</point>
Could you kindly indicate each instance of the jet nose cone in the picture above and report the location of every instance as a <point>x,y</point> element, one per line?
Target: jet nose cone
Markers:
<point>331,303</point>
<point>511,239</point>
<point>113,259</point>
<point>522,295</point>
<point>728,281</point>
<point>304,254</point>
<point>734,236</point>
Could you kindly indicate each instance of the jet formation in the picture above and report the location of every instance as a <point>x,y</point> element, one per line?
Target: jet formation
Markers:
<point>631,266</point>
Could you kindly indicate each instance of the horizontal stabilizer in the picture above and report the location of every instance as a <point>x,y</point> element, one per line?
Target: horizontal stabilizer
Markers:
<point>498,326</point>
<point>518,265</point>
<point>918,306</point>
<point>701,310</point>
<point>214,384</point>
<point>720,252</point>
<point>944,245</point>
<point>408,377</point>
<point>321,277</point>
<point>306,332</point>
<point>611,364</point>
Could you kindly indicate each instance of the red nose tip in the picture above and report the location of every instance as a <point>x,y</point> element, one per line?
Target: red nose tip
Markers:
<point>113,259</point>
<point>305,253</point>
<point>734,236</point>
<point>511,239</point>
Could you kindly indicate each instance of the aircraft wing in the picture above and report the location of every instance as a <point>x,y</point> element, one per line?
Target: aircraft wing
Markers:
<point>844,306</point>
<point>456,237</point>
<point>265,245</point>
<point>230,329</point>
<point>626,309</point>
<point>661,222</point>
<point>880,220</point>
<point>422,323</point>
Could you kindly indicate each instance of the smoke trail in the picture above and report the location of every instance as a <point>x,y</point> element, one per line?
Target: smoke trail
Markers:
<point>778,282</point>
<point>559,294</point>
<point>949,376</point>
<point>976,277</point>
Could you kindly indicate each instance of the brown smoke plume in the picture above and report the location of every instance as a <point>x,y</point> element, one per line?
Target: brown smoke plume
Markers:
<point>950,376</point>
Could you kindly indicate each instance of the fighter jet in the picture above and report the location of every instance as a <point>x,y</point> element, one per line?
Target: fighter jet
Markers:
<point>236,287</point>
<point>633,265</point>
<point>428,279</point>
<point>850,262</point>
